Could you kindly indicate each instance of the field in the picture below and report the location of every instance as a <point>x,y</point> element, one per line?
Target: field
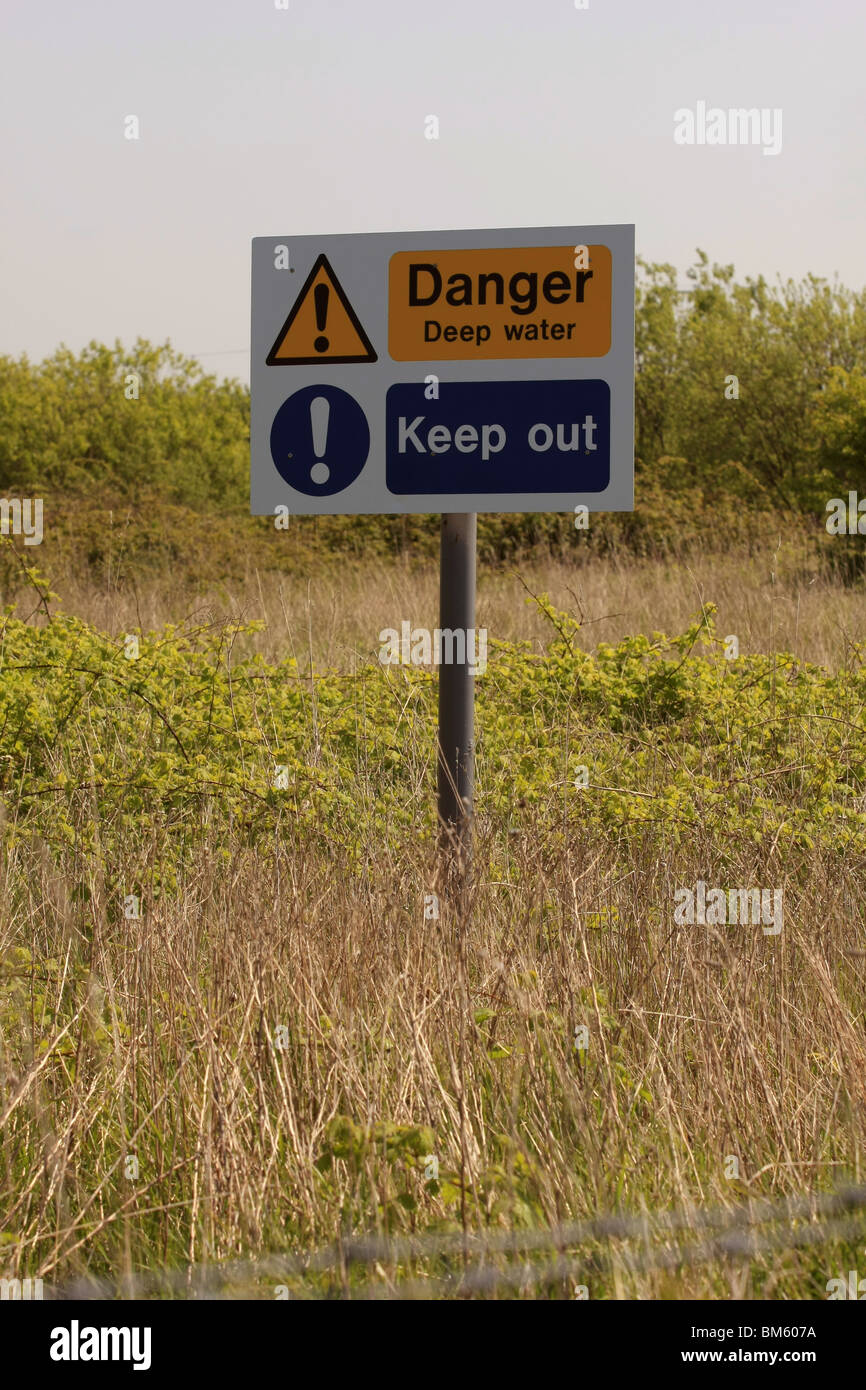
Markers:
<point>242,1016</point>
<point>252,1038</point>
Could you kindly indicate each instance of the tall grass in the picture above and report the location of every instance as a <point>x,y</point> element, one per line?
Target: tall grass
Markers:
<point>284,1042</point>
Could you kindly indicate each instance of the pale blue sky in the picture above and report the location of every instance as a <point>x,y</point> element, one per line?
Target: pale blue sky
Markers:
<point>257,121</point>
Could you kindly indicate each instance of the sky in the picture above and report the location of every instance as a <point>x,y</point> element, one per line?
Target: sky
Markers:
<point>258,121</point>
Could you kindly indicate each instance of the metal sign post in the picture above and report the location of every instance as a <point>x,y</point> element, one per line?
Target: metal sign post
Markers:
<point>456,745</point>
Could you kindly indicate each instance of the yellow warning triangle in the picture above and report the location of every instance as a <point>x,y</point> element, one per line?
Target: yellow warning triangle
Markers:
<point>323,326</point>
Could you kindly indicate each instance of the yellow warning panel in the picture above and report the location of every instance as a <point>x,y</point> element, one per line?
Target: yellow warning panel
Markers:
<point>530,301</point>
<point>323,326</point>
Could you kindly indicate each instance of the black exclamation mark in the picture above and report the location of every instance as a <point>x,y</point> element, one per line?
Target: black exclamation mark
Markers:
<point>321,294</point>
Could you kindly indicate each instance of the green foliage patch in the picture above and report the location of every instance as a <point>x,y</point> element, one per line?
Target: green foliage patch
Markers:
<point>143,459</point>
<point>98,752</point>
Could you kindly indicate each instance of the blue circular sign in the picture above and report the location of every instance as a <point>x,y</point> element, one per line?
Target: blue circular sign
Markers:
<point>320,440</point>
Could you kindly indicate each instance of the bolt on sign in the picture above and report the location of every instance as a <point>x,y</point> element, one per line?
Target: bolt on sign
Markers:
<point>454,371</point>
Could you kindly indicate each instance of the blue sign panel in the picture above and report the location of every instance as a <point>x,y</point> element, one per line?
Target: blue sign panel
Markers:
<point>498,437</point>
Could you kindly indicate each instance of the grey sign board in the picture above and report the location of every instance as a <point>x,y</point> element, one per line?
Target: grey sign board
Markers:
<point>457,371</point>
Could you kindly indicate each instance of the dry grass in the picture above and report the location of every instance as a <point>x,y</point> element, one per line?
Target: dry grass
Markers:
<point>777,600</point>
<point>704,1044</point>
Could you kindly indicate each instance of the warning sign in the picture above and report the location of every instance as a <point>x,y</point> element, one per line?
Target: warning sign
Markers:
<point>502,378</point>
<point>536,301</point>
<point>322,327</point>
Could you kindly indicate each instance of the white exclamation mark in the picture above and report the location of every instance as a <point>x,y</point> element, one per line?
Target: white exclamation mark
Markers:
<point>320,409</point>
